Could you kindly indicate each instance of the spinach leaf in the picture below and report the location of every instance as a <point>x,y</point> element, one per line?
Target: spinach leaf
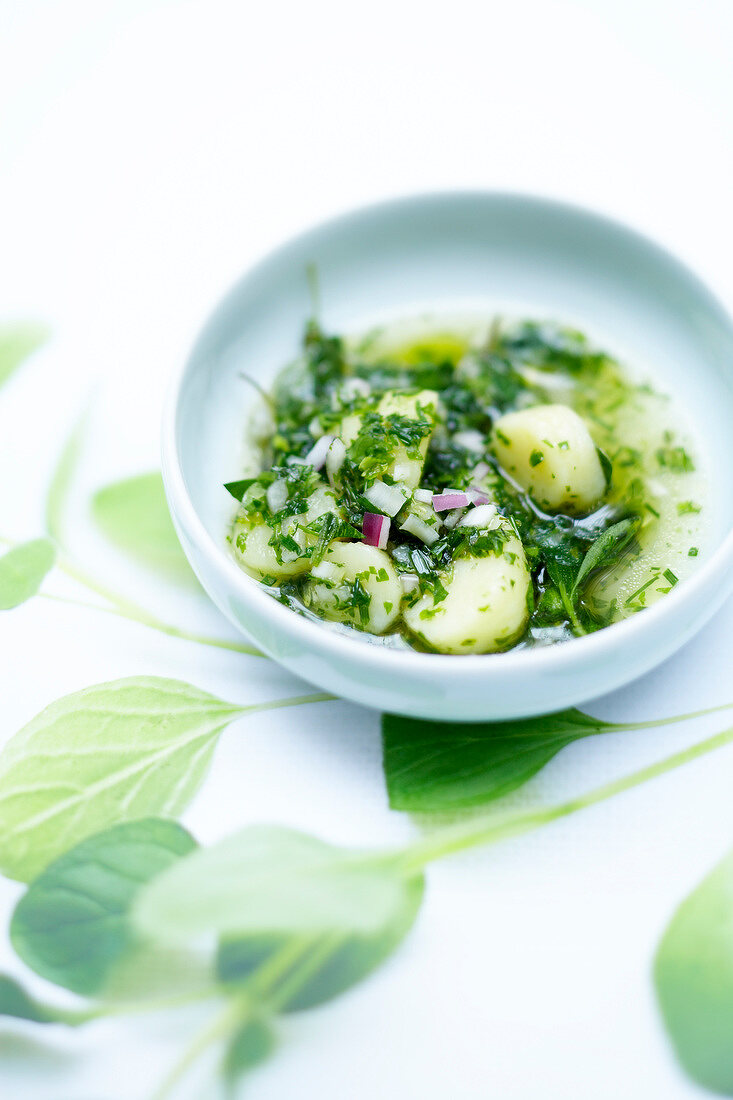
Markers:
<point>17,343</point>
<point>15,1001</point>
<point>266,877</point>
<point>251,1045</point>
<point>693,974</point>
<point>71,926</point>
<point>444,766</point>
<point>133,515</point>
<point>355,957</point>
<point>606,548</point>
<point>22,571</point>
<point>114,752</point>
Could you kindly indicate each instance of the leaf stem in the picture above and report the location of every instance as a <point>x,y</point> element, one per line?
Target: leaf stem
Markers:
<point>464,836</point>
<point>231,1017</point>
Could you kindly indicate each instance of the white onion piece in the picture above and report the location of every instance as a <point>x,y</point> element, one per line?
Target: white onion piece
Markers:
<point>277,495</point>
<point>483,515</point>
<point>421,530</point>
<point>354,387</point>
<point>471,440</point>
<point>477,496</point>
<point>335,458</point>
<point>315,428</point>
<point>425,496</point>
<point>453,517</point>
<point>387,498</point>
<point>409,582</point>
<point>480,470</point>
<point>317,454</point>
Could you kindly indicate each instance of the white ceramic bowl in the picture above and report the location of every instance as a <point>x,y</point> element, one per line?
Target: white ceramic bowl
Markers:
<point>452,253</point>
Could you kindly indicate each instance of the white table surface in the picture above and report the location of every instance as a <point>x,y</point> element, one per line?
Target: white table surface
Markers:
<point>149,152</point>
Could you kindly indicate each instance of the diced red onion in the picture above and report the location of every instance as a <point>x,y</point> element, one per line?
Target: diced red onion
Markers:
<point>449,499</point>
<point>317,454</point>
<point>387,498</point>
<point>376,530</point>
<point>335,458</point>
<point>477,496</point>
<point>409,582</point>
<point>483,515</point>
<point>277,495</point>
<point>421,530</point>
<point>425,496</point>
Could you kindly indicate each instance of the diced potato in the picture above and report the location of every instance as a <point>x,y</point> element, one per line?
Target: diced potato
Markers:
<point>332,592</point>
<point>251,541</point>
<point>404,469</point>
<point>486,606</point>
<point>549,451</point>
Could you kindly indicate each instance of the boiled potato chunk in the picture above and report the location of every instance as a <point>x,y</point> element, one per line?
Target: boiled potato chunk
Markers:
<point>251,541</point>
<point>486,606</point>
<point>404,468</point>
<point>549,451</point>
<point>332,590</point>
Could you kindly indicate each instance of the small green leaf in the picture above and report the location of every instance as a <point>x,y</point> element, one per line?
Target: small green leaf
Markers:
<point>17,343</point>
<point>444,766</point>
<point>133,514</point>
<point>22,571</point>
<point>606,548</point>
<point>249,1047</point>
<point>71,925</point>
<point>606,466</point>
<point>239,488</point>
<point>351,962</point>
<point>114,752</point>
<point>267,878</point>
<point>693,973</point>
<point>15,1001</point>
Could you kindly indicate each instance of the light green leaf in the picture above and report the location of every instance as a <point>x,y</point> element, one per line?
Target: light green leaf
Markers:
<point>270,879</point>
<point>353,959</point>
<point>114,752</point>
<point>693,973</point>
<point>133,514</point>
<point>248,1048</point>
<point>606,549</point>
<point>444,766</point>
<point>71,926</point>
<point>22,571</point>
<point>17,343</point>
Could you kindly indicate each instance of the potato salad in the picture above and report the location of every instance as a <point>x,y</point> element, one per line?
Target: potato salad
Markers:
<point>465,490</point>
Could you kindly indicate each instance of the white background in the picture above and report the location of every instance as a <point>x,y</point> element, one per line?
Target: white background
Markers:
<point>150,151</point>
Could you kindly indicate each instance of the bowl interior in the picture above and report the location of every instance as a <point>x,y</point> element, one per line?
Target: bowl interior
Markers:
<point>457,253</point>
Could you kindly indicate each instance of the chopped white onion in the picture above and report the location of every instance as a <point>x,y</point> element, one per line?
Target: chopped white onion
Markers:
<point>409,582</point>
<point>354,387</point>
<point>317,454</point>
<point>471,440</point>
<point>277,495</point>
<point>477,496</point>
<point>483,515</point>
<point>453,517</point>
<point>315,428</point>
<point>421,530</point>
<point>387,498</point>
<point>481,469</point>
<point>335,458</point>
<point>425,496</point>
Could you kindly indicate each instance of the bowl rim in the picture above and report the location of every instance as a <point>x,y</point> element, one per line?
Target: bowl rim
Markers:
<point>312,634</point>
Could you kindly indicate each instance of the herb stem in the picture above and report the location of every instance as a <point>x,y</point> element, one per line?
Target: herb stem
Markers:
<point>232,1016</point>
<point>460,837</point>
<point>311,962</point>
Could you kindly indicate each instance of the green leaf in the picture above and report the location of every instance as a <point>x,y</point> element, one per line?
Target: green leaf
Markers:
<point>693,973</point>
<point>267,878</point>
<point>71,926</point>
<point>22,571</point>
<point>17,343</point>
<point>249,1047</point>
<point>350,963</point>
<point>133,515</point>
<point>15,1001</point>
<point>606,548</point>
<point>444,766</point>
<point>239,488</point>
<point>115,752</point>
